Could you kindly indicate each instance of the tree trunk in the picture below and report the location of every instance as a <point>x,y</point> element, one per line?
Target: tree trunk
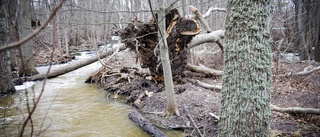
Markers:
<point>245,103</point>
<point>171,108</point>
<point>6,83</point>
<point>27,66</point>
<point>317,34</point>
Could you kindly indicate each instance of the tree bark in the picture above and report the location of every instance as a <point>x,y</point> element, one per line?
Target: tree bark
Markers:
<point>317,34</point>
<point>296,110</point>
<point>205,38</point>
<point>245,103</point>
<point>27,66</point>
<point>171,108</point>
<point>6,83</point>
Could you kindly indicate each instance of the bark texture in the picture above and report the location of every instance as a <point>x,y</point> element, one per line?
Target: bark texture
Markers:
<point>245,103</point>
<point>27,65</point>
<point>6,83</point>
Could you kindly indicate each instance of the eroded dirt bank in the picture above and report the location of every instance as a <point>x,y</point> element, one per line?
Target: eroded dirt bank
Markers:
<point>127,78</point>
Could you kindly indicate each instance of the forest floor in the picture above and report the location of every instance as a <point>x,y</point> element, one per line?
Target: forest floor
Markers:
<point>294,91</point>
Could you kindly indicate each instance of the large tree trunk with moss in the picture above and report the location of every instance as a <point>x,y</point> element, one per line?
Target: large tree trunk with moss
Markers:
<point>245,103</point>
<point>5,70</point>
<point>27,66</point>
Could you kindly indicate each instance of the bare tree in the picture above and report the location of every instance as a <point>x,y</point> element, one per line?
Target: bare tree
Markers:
<point>171,108</point>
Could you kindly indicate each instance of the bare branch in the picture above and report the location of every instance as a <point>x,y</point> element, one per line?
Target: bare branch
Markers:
<point>204,38</point>
<point>215,116</point>
<point>296,110</point>
<point>203,69</point>
<point>308,70</point>
<point>211,9</point>
<point>192,121</point>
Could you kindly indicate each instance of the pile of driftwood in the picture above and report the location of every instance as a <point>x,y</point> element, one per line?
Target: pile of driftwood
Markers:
<point>143,40</point>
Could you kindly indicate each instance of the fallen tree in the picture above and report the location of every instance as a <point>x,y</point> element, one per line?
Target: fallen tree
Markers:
<point>213,36</point>
<point>145,124</point>
<point>308,70</point>
<point>296,110</point>
<point>181,34</point>
<point>75,65</point>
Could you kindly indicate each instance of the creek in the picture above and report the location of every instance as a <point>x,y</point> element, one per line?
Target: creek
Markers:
<point>69,107</point>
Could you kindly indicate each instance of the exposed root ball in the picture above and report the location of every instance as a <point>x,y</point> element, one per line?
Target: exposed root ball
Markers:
<point>143,40</point>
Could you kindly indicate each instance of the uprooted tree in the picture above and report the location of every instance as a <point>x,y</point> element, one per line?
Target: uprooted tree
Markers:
<point>143,40</point>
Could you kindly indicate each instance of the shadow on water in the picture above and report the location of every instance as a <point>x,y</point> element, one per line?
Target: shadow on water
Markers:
<point>70,107</point>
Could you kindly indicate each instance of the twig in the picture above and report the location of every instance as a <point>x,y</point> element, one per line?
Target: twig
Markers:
<point>98,56</point>
<point>220,45</point>
<point>192,121</point>
<point>205,38</point>
<point>111,56</point>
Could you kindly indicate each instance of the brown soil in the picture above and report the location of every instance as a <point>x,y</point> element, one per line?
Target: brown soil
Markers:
<point>303,91</point>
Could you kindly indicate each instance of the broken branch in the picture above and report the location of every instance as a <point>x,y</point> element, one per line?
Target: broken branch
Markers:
<point>204,38</point>
<point>297,110</point>
<point>306,71</point>
<point>208,86</point>
<point>203,69</point>
<point>215,116</point>
<point>211,9</point>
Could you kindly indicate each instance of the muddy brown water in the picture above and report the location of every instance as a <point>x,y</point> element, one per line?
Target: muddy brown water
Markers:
<point>70,107</point>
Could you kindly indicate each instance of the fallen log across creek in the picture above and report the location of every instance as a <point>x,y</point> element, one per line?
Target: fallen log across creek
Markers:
<point>145,124</point>
<point>74,65</point>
